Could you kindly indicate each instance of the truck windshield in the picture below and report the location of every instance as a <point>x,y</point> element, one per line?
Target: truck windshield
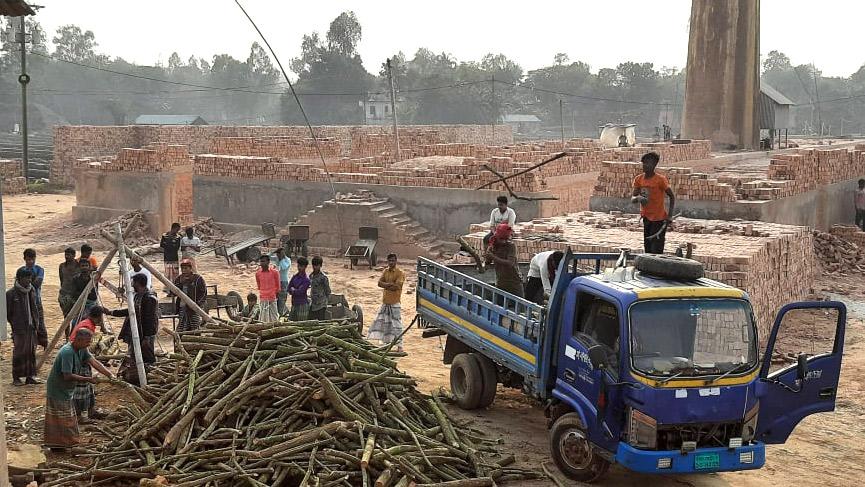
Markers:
<point>692,337</point>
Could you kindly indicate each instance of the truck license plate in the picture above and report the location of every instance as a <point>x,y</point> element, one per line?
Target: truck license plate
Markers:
<point>707,461</point>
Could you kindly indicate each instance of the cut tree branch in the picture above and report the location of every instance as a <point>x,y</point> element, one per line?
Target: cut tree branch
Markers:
<point>515,196</point>
<point>519,173</point>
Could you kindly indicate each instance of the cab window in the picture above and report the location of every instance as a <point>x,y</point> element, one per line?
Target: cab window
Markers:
<point>597,323</point>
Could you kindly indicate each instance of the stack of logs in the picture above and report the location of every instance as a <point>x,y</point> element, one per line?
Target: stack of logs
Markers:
<point>300,403</point>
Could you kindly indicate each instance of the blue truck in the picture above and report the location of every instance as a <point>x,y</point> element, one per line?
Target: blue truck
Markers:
<point>649,365</point>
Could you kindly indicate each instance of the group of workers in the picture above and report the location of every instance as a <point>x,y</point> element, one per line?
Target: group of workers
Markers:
<point>649,191</point>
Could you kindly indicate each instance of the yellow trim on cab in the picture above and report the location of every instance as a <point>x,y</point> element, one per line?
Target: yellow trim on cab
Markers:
<point>690,382</point>
<point>519,352</point>
<point>689,292</point>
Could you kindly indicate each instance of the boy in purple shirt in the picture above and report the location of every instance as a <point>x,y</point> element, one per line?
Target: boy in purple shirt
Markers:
<point>297,287</point>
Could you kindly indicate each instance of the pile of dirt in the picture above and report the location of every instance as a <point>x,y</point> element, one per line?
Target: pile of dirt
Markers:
<point>837,255</point>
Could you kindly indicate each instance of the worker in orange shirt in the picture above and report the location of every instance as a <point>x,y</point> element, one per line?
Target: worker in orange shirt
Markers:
<point>649,191</point>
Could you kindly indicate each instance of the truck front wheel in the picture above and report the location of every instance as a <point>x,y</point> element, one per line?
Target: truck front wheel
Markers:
<point>572,451</point>
<point>467,384</point>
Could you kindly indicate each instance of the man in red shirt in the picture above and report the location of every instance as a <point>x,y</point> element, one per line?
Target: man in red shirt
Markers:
<point>267,279</point>
<point>649,191</point>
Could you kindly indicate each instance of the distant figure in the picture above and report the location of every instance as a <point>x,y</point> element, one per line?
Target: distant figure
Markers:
<point>28,327</point>
<point>38,276</point>
<point>501,214</point>
<point>267,280</point>
<point>649,191</point>
<point>859,203</point>
<point>297,288</point>
<point>319,285</point>
<point>623,140</point>
<point>542,273</point>
<point>503,253</point>
<point>170,244</point>
<point>251,310</point>
<point>387,325</point>
<point>84,397</point>
<point>190,247</point>
<point>193,286</point>
<point>283,265</point>
<point>61,421</point>
<point>67,272</point>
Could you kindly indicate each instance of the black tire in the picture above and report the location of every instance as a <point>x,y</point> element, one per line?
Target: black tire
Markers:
<point>235,302</point>
<point>490,375</point>
<point>467,382</point>
<point>669,266</point>
<point>572,452</point>
<point>358,317</point>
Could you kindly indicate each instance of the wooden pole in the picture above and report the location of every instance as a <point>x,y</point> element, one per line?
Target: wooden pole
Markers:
<point>164,280</point>
<point>76,308</point>
<point>130,302</point>
<point>393,112</point>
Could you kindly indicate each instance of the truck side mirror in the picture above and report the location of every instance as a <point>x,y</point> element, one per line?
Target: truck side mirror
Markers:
<point>598,357</point>
<point>802,367</point>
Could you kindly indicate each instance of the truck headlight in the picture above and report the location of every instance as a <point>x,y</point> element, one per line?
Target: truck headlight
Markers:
<point>749,427</point>
<point>642,430</point>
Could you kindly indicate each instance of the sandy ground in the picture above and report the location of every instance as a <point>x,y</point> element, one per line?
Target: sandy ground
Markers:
<point>824,450</point>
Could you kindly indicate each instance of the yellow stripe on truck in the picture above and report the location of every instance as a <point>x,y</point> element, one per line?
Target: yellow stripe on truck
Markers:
<point>519,352</point>
<point>682,383</point>
<point>689,292</point>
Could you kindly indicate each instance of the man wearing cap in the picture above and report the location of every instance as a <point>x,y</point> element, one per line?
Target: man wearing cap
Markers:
<point>192,285</point>
<point>28,328</point>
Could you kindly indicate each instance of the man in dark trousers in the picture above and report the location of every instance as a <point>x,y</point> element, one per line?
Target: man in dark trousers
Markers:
<point>170,244</point>
<point>28,328</point>
<point>147,317</point>
<point>649,191</point>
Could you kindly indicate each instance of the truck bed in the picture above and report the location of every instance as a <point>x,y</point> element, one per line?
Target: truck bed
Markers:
<point>502,326</point>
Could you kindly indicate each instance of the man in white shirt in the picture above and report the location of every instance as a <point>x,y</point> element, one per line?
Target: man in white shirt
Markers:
<point>542,274</point>
<point>137,268</point>
<point>190,246</point>
<point>500,214</point>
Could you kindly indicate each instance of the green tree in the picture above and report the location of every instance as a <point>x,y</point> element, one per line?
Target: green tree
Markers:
<point>73,44</point>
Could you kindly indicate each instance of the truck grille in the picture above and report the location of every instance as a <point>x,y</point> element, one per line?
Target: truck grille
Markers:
<point>707,435</point>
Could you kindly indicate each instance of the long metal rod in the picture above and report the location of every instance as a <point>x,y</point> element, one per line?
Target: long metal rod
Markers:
<point>130,302</point>
<point>23,79</point>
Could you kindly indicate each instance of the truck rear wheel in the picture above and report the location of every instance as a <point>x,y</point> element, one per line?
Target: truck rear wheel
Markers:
<point>467,384</point>
<point>572,451</point>
<point>490,378</point>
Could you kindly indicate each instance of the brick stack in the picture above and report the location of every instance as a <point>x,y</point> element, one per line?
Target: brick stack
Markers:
<point>774,263</point>
<point>617,180</point>
<point>283,147</point>
<point>850,233</point>
<point>153,158</point>
<point>806,169</point>
<point>12,176</point>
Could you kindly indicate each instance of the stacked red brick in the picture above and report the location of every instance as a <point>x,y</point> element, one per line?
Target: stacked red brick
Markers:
<point>774,263</point>
<point>12,176</point>
<point>284,147</point>
<point>617,178</point>
<point>153,158</point>
<point>806,169</point>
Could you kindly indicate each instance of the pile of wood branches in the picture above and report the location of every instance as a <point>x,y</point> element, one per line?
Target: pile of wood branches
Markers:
<point>304,403</point>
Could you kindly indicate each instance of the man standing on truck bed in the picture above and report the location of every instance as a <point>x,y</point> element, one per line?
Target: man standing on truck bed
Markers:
<point>500,214</point>
<point>503,253</point>
<point>649,190</point>
<point>387,325</point>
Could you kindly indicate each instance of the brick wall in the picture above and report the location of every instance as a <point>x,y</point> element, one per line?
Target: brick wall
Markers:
<point>12,176</point>
<point>73,142</point>
<point>774,263</point>
<point>616,180</point>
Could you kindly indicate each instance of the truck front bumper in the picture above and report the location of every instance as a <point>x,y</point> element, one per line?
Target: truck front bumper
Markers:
<point>702,460</point>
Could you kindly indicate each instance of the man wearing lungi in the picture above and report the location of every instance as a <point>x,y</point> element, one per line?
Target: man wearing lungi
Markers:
<point>387,325</point>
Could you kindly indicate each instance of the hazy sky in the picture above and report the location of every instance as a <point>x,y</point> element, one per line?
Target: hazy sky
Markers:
<point>601,33</point>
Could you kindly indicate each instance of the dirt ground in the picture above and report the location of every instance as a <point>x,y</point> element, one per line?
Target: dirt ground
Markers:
<point>825,449</point>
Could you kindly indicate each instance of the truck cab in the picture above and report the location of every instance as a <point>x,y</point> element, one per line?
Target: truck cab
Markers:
<point>652,367</point>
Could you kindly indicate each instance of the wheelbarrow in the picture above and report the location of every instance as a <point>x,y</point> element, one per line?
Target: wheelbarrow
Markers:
<point>364,247</point>
<point>294,243</point>
<point>247,250</point>
<point>231,302</point>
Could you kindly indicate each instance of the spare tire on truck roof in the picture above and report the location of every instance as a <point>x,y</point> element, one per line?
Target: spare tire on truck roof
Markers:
<point>669,267</point>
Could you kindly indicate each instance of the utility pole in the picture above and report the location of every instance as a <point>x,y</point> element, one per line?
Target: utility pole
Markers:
<point>24,78</point>
<point>393,111</point>
<point>817,96</point>
<point>562,121</point>
<point>495,109</point>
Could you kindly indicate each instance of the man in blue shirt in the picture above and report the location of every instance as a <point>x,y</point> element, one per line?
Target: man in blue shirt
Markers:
<point>283,265</point>
<point>38,276</point>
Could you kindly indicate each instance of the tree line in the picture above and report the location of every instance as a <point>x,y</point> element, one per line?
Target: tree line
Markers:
<point>73,82</point>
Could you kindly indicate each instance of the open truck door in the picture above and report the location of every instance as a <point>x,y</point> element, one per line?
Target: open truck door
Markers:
<point>813,332</point>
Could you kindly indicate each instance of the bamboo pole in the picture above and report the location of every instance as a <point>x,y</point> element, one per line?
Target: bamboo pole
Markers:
<point>130,302</point>
<point>161,278</point>
<point>76,308</point>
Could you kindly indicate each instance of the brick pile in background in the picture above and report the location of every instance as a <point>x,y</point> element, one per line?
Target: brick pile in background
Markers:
<point>12,176</point>
<point>617,180</point>
<point>851,233</point>
<point>774,263</point>
<point>153,158</point>
<point>286,147</point>
<point>72,142</point>
<point>806,169</point>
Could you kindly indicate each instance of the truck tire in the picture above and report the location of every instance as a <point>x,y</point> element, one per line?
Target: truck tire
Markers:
<point>669,266</point>
<point>573,453</point>
<point>490,376</point>
<point>467,382</point>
